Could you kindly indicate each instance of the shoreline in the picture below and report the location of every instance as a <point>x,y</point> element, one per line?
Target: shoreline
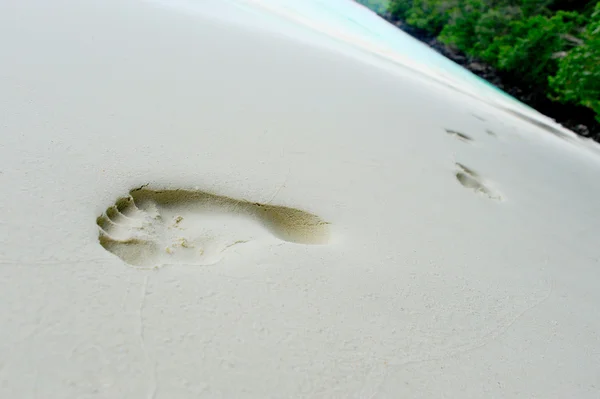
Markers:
<point>578,119</point>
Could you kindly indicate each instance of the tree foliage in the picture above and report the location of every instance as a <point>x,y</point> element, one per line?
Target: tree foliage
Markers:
<point>578,76</point>
<point>551,45</point>
<point>379,6</point>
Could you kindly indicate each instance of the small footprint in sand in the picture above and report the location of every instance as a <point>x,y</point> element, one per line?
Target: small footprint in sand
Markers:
<point>151,228</point>
<point>478,117</point>
<point>471,179</point>
<point>459,135</point>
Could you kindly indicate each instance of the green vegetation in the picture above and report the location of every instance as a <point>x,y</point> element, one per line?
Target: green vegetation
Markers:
<point>578,76</point>
<point>379,6</point>
<point>551,46</point>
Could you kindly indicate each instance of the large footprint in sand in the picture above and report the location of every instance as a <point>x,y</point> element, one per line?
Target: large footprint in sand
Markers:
<point>151,228</point>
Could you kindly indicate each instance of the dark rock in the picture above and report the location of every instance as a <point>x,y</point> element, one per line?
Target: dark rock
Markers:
<point>477,67</point>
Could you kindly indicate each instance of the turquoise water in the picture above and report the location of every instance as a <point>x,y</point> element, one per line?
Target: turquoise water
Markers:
<point>351,19</point>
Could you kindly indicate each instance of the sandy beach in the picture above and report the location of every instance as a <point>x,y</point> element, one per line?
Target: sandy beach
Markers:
<point>311,220</point>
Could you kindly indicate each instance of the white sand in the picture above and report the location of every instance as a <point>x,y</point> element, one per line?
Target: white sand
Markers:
<point>461,264</point>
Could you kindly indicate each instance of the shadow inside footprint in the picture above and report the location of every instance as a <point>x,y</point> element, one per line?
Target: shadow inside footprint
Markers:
<point>471,180</point>
<point>459,135</point>
<point>153,227</point>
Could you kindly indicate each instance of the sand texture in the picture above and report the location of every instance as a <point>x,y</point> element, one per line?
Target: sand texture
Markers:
<point>257,199</point>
